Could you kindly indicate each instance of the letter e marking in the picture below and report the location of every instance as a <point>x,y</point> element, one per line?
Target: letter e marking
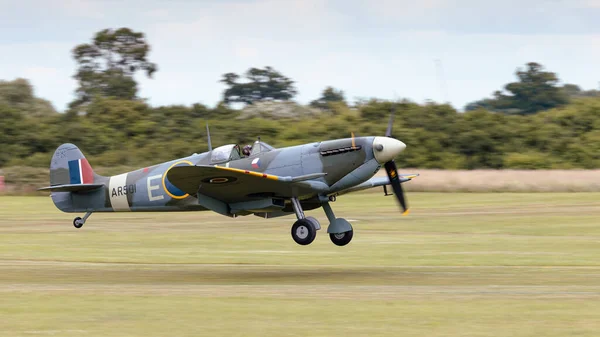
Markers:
<point>154,187</point>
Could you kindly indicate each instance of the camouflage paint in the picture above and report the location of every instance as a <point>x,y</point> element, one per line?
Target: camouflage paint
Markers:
<point>347,162</point>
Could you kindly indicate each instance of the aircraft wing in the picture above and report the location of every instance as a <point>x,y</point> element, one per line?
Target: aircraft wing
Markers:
<point>377,181</point>
<point>231,185</point>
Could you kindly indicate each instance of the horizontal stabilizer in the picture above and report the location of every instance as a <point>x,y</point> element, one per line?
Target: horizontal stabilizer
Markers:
<point>71,187</point>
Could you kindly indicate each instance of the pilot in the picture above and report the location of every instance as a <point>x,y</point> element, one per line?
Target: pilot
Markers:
<point>246,150</point>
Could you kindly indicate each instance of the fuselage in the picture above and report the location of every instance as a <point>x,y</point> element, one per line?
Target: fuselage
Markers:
<point>346,162</point>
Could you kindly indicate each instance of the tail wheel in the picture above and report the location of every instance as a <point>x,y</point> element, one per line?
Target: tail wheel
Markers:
<point>341,239</point>
<point>304,232</point>
<point>77,222</point>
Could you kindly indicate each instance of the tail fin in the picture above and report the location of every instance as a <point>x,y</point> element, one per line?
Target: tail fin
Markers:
<point>71,172</point>
<point>69,166</point>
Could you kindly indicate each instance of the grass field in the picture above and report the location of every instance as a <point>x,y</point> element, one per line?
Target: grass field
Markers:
<point>462,264</point>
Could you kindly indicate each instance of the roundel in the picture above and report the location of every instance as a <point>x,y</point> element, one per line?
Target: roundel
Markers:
<point>219,180</point>
<point>171,189</point>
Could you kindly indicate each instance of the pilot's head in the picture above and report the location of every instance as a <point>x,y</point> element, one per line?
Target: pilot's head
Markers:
<point>246,150</point>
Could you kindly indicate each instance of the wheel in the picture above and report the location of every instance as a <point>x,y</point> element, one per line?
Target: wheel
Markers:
<point>341,239</point>
<point>303,232</point>
<point>77,222</point>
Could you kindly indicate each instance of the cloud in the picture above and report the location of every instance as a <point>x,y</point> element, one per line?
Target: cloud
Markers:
<point>396,9</point>
<point>48,65</point>
<point>46,72</point>
<point>246,52</point>
<point>158,14</point>
<point>86,8</point>
<point>491,17</point>
<point>582,3</point>
<point>364,47</point>
<point>51,83</point>
<point>294,19</point>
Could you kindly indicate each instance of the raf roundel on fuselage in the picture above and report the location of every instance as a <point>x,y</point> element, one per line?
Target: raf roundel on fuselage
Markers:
<point>171,189</point>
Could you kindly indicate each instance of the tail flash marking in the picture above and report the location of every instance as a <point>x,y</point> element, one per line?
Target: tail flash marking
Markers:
<point>80,172</point>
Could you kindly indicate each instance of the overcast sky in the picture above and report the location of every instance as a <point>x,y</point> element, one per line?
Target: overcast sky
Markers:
<point>368,48</point>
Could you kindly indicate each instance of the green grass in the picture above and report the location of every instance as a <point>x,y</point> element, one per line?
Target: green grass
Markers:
<point>459,265</point>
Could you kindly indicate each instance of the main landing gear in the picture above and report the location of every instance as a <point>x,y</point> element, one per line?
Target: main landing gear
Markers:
<point>341,239</point>
<point>304,230</point>
<point>78,221</point>
<point>340,230</point>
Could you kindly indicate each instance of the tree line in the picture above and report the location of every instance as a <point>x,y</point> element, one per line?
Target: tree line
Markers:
<point>531,123</point>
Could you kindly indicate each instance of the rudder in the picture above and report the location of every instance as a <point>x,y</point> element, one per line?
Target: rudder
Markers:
<point>74,186</point>
<point>69,166</point>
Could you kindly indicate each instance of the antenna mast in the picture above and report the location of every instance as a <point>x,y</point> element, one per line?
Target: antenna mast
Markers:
<point>208,136</point>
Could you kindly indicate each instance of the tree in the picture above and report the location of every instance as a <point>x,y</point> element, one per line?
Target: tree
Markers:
<point>19,95</point>
<point>260,84</point>
<point>535,91</point>
<point>573,90</point>
<point>107,65</point>
<point>328,95</point>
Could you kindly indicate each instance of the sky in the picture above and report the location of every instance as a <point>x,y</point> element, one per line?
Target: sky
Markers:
<point>455,51</point>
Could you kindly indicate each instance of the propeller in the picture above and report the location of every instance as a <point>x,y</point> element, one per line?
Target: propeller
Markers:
<point>388,132</point>
<point>392,171</point>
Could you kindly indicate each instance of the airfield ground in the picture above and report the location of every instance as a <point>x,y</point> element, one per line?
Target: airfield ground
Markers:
<point>461,264</point>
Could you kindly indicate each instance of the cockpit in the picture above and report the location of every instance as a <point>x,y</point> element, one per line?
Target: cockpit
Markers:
<point>260,147</point>
<point>225,153</point>
<point>231,152</point>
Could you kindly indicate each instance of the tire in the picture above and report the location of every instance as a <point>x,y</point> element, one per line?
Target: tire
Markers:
<point>77,223</point>
<point>303,232</point>
<point>341,239</point>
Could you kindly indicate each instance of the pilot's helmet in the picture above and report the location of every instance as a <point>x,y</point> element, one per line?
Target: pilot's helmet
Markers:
<point>247,149</point>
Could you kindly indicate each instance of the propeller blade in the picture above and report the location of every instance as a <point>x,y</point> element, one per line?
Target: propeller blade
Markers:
<point>392,173</point>
<point>388,132</point>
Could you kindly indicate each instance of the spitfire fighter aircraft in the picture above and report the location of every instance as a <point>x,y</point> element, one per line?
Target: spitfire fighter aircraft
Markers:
<point>265,181</point>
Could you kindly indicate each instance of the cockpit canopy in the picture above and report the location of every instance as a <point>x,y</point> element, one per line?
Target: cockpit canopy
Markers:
<point>260,147</point>
<point>231,152</point>
<point>225,153</point>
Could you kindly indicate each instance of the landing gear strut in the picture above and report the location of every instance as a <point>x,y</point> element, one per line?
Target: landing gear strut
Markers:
<point>304,231</point>
<point>78,221</point>
<point>340,230</point>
